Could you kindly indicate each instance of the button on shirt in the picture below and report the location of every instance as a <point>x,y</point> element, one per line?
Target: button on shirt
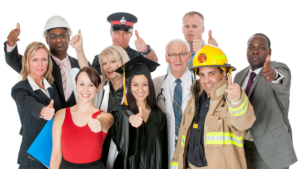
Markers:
<point>248,135</point>
<point>196,151</point>
<point>67,68</point>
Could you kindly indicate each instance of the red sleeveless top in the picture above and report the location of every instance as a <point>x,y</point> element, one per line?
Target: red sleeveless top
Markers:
<point>80,144</point>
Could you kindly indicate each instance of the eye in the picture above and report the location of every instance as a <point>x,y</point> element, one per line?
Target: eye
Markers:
<point>194,26</point>
<point>125,33</point>
<point>34,60</point>
<point>81,84</point>
<point>113,61</point>
<point>145,85</point>
<point>91,85</point>
<point>53,36</point>
<point>117,31</point>
<point>135,85</point>
<point>173,55</point>
<point>261,48</point>
<point>181,54</point>
<point>45,59</point>
<point>104,63</point>
<point>187,26</point>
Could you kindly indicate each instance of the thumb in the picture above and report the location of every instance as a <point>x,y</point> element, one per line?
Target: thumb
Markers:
<point>79,33</point>
<point>141,111</point>
<point>18,27</point>
<point>51,104</point>
<point>137,34</point>
<point>267,60</point>
<point>229,80</point>
<point>210,35</point>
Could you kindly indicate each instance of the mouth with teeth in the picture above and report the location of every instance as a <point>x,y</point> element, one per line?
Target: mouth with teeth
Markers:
<point>209,86</point>
<point>85,95</point>
<point>110,72</point>
<point>141,95</point>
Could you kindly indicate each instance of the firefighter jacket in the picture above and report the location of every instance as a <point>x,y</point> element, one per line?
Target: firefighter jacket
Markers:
<point>225,125</point>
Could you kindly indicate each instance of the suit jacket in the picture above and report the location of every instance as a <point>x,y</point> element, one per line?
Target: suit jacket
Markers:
<point>271,132</point>
<point>29,104</point>
<point>14,60</point>
<point>164,102</point>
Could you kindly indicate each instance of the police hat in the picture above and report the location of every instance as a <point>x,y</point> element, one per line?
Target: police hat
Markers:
<point>122,21</point>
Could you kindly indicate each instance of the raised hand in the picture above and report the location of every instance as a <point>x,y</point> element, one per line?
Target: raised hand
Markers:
<point>268,71</point>
<point>211,40</point>
<point>232,90</point>
<point>197,43</point>
<point>140,45</point>
<point>94,124</point>
<point>48,112</point>
<point>76,41</point>
<point>13,36</point>
<point>136,120</point>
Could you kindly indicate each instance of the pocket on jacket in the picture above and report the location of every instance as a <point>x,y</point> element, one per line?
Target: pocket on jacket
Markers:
<point>215,133</point>
<point>279,131</point>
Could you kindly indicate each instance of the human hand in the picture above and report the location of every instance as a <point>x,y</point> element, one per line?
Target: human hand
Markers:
<point>211,40</point>
<point>136,120</point>
<point>48,112</point>
<point>14,35</point>
<point>139,42</point>
<point>197,43</point>
<point>268,72</point>
<point>94,124</point>
<point>232,90</point>
<point>76,41</point>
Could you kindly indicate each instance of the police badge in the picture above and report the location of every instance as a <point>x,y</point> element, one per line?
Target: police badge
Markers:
<point>123,21</point>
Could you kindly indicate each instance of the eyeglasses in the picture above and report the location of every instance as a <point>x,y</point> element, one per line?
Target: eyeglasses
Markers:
<point>181,55</point>
<point>63,36</point>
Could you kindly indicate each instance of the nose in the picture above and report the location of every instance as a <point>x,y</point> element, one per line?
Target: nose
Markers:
<point>178,59</point>
<point>40,63</point>
<point>86,88</point>
<point>255,51</point>
<point>58,39</point>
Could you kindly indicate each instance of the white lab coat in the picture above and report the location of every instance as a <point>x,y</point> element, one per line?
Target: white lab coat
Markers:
<point>162,86</point>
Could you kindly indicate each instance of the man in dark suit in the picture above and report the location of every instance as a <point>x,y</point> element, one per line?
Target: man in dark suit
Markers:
<point>268,144</point>
<point>57,34</point>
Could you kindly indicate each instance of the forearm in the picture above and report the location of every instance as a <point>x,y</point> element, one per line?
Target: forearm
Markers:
<point>82,60</point>
<point>55,161</point>
<point>12,58</point>
<point>152,55</point>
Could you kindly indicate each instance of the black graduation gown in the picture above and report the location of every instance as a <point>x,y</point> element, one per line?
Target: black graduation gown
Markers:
<point>140,148</point>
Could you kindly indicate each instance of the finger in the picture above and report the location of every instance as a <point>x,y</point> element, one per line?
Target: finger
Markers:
<point>229,80</point>
<point>267,60</point>
<point>18,28</point>
<point>210,35</point>
<point>51,104</point>
<point>79,32</point>
<point>141,111</point>
<point>137,34</point>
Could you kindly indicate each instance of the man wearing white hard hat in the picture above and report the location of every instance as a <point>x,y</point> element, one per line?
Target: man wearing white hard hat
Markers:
<point>57,33</point>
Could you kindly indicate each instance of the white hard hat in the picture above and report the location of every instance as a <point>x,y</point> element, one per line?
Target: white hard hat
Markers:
<point>56,22</point>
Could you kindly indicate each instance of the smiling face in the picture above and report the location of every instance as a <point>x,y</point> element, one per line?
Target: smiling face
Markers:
<point>120,38</point>
<point>192,26</point>
<point>59,44</point>
<point>140,88</point>
<point>38,63</point>
<point>109,65</point>
<point>257,51</point>
<point>86,90</point>
<point>209,77</point>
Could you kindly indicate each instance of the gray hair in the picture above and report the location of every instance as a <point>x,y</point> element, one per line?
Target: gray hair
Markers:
<point>193,12</point>
<point>178,41</point>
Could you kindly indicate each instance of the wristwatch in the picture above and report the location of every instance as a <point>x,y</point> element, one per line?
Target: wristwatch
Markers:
<point>149,50</point>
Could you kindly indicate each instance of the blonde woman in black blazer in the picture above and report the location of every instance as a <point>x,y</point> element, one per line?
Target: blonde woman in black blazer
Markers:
<point>36,98</point>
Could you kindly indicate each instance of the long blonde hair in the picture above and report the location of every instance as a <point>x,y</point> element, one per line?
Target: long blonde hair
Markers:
<point>114,52</point>
<point>29,53</point>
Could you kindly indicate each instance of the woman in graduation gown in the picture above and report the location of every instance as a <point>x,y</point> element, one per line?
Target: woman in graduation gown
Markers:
<point>140,127</point>
<point>36,99</point>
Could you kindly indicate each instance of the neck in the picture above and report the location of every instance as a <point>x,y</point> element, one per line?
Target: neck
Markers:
<point>177,74</point>
<point>38,80</point>
<point>59,55</point>
<point>117,82</point>
<point>141,104</point>
<point>84,107</point>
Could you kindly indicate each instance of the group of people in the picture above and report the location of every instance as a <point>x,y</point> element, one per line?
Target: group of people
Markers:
<point>117,116</point>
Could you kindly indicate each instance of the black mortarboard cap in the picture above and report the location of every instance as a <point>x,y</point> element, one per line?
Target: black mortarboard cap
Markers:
<point>122,21</point>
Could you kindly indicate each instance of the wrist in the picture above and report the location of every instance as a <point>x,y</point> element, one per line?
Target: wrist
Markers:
<point>79,49</point>
<point>148,50</point>
<point>10,43</point>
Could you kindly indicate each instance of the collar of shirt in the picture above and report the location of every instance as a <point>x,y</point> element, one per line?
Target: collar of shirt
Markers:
<point>34,86</point>
<point>173,79</point>
<point>65,61</point>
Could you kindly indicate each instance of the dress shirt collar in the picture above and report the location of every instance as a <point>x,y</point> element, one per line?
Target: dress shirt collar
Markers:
<point>58,61</point>
<point>34,86</point>
<point>182,78</point>
<point>256,71</point>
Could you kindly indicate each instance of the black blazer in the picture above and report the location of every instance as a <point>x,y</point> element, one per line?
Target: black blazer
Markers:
<point>29,104</point>
<point>14,60</point>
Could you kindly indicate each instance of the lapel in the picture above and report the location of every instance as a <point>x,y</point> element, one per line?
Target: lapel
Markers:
<point>105,99</point>
<point>57,79</point>
<point>240,79</point>
<point>50,90</point>
<point>187,83</point>
<point>255,83</point>
<point>165,93</point>
<point>74,62</point>
<point>43,96</point>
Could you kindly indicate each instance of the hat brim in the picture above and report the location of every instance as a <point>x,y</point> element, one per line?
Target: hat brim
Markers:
<point>226,65</point>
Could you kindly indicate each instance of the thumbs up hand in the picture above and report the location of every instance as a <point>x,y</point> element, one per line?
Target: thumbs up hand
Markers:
<point>136,120</point>
<point>211,40</point>
<point>232,90</point>
<point>94,124</point>
<point>140,45</point>
<point>48,112</point>
<point>268,72</point>
<point>76,41</point>
<point>13,36</point>
<point>197,43</point>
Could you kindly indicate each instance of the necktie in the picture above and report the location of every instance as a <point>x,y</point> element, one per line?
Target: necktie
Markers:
<point>177,101</point>
<point>250,82</point>
<point>63,78</point>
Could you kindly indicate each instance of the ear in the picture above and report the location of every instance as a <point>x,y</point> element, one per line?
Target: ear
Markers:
<point>203,28</point>
<point>68,38</point>
<point>189,56</point>
<point>166,56</point>
<point>224,74</point>
<point>130,35</point>
<point>99,87</point>
<point>270,51</point>
<point>47,40</point>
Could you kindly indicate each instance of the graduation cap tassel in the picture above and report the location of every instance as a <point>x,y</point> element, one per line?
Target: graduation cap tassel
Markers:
<point>124,86</point>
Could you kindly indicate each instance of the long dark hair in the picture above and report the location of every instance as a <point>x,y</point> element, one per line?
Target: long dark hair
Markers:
<point>150,100</point>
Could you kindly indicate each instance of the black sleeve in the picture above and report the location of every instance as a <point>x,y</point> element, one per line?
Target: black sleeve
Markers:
<point>165,143</point>
<point>13,58</point>
<point>96,64</point>
<point>57,103</point>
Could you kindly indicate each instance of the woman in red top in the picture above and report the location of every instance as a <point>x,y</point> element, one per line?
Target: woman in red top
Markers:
<point>79,131</point>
